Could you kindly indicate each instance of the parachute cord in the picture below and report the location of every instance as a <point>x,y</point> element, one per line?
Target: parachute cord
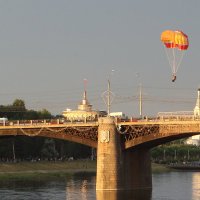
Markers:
<point>179,63</point>
<point>174,70</point>
<point>168,58</point>
<point>172,60</point>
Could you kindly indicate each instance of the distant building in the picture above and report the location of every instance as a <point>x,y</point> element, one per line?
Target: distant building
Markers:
<point>119,115</point>
<point>195,140</point>
<point>197,107</point>
<point>84,112</point>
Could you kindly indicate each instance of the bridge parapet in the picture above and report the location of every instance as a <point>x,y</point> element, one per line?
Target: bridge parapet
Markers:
<point>45,122</point>
<point>178,115</point>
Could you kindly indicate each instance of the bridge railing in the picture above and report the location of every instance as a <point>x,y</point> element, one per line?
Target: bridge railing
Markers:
<point>178,115</point>
<point>32,122</point>
<point>38,122</point>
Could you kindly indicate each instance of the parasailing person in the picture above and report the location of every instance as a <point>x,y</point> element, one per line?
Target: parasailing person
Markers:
<point>175,45</point>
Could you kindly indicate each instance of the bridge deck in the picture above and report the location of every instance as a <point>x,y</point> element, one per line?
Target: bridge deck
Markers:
<point>143,132</point>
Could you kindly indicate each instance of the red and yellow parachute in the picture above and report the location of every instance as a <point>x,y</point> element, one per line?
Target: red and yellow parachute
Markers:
<point>176,42</point>
<point>175,39</point>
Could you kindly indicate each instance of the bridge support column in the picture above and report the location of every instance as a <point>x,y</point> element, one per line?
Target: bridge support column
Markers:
<point>109,156</point>
<point>119,169</point>
<point>137,169</point>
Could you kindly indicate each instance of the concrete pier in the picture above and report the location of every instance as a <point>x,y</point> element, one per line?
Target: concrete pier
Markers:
<point>137,169</point>
<point>119,169</point>
<point>109,156</point>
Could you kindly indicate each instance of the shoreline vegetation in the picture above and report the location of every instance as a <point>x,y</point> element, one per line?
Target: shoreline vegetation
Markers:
<point>53,170</point>
<point>45,169</point>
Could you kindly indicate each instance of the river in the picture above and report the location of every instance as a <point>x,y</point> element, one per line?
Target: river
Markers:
<point>176,185</point>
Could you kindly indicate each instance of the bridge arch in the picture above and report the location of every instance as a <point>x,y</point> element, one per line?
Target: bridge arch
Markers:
<point>82,135</point>
<point>151,135</point>
<point>151,142</point>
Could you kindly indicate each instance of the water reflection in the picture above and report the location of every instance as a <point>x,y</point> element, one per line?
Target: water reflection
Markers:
<point>81,188</point>
<point>84,189</point>
<point>171,185</point>
<point>196,185</point>
<point>127,195</point>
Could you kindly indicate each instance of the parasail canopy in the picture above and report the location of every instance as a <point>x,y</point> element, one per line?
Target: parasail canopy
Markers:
<point>175,39</point>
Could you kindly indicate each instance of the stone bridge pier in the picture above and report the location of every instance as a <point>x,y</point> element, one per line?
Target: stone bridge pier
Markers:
<point>118,168</point>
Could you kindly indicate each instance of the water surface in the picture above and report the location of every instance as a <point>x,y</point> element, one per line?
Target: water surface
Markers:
<point>166,186</point>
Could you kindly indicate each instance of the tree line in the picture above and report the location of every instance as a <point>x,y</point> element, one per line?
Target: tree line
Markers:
<point>18,111</point>
<point>175,152</point>
<point>22,148</point>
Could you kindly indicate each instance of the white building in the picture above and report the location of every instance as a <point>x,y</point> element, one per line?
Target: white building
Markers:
<point>84,113</point>
<point>195,140</point>
<point>197,107</point>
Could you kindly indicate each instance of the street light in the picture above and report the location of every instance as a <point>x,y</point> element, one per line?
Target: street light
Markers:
<point>109,92</point>
<point>108,95</point>
<point>140,94</point>
<point>141,101</point>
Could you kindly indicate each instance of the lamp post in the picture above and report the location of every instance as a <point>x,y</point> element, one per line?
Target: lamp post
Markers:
<point>164,155</point>
<point>141,101</point>
<point>108,99</point>
<point>108,95</point>
<point>140,95</point>
<point>175,155</point>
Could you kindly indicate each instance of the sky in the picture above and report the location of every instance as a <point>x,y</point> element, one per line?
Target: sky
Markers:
<point>48,48</point>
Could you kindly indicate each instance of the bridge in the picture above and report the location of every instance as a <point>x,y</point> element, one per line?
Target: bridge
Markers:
<point>123,148</point>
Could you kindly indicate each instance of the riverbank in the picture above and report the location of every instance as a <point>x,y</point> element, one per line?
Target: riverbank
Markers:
<point>48,166</point>
<point>159,168</point>
<point>45,169</point>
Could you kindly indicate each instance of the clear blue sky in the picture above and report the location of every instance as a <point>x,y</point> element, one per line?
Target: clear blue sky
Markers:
<point>47,48</point>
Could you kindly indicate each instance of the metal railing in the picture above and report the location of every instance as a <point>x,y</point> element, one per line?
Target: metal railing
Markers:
<point>178,115</point>
<point>41,122</point>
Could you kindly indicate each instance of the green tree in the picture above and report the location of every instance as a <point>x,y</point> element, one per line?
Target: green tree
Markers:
<point>44,114</point>
<point>49,151</point>
<point>19,103</point>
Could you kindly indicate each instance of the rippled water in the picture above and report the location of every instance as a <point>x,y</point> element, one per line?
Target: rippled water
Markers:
<point>166,186</point>
<point>181,185</point>
<point>33,191</point>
